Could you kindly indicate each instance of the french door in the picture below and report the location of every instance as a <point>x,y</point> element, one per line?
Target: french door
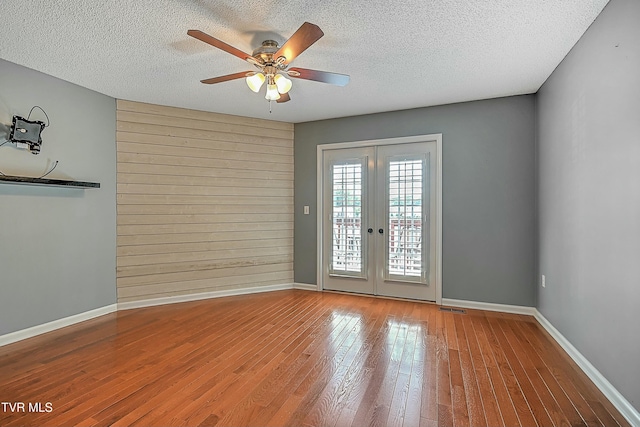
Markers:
<point>379,220</point>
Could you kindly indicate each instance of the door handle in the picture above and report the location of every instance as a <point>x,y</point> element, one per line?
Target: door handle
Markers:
<point>370,230</point>
<point>380,230</point>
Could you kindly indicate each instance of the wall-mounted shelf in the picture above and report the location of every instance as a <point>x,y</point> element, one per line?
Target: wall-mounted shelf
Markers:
<point>21,180</point>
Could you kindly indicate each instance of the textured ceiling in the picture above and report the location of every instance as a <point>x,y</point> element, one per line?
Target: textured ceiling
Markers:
<point>399,54</point>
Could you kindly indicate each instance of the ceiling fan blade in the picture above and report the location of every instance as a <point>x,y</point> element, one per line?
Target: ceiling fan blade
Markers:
<point>219,44</point>
<point>226,78</point>
<point>284,97</point>
<point>319,76</point>
<point>304,37</point>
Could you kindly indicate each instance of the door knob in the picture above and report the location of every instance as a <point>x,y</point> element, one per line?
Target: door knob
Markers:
<point>370,230</point>
<point>380,230</point>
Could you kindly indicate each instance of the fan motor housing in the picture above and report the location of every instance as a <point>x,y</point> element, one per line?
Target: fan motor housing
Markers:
<point>265,52</point>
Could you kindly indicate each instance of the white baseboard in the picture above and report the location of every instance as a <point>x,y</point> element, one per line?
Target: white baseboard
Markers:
<point>305,286</point>
<point>614,396</point>
<point>55,324</point>
<point>488,306</point>
<point>204,295</point>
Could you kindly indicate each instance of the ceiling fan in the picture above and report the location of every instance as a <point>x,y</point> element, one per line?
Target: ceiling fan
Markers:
<point>273,62</point>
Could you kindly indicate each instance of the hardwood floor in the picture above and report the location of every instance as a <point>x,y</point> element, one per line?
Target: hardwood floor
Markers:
<point>298,358</point>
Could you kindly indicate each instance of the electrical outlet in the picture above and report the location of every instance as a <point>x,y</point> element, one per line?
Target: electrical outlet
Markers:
<point>543,282</point>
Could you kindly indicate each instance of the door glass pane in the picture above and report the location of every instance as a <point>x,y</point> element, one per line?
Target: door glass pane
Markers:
<point>346,218</point>
<point>405,218</point>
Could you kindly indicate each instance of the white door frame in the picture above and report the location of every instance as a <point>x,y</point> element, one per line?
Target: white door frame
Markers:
<point>437,138</point>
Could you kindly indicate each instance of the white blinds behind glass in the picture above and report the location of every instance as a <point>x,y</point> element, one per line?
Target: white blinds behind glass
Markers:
<point>346,246</point>
<point>405,218</point>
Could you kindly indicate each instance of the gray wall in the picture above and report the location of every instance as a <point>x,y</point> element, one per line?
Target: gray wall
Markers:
<point>57,246</point>
<point>488,191</point>
<point>589,196</point>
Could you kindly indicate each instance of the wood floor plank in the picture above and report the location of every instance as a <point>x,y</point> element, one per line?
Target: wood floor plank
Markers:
<point>398,405</point>
<point>363,376</point>
<point>331,396</point>
<point>336,394</point>
<point>474,402</point>
<point>603,409</point>
<point>458,394</point>
<point>413,409</point>
<point>249,369</point>
<point>489,407</point>
<point>209,355</point>
<point>547,400</point>
<point>368,405</point>
<point>429,405</point>
<point>515,362</point>
<point>299,358</point>
<point>142,416</point>
<point>327,400</point>
<point>292,315</point>
<point>503,400</point>
<point>284,403</point>
<point>560,367</point>
<point>321,367</point>
<point>443,385</point>
<point>515,393</point>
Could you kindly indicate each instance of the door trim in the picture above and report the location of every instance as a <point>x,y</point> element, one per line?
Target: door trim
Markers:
<point>437,138</point>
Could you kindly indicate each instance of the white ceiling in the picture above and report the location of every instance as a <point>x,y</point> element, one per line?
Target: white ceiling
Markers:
<point>399,54</point>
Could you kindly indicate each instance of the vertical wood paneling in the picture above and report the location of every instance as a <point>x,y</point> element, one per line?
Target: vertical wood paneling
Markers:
<point>204,201</point>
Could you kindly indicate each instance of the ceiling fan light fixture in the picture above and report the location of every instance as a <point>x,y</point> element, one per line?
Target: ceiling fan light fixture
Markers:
<point>255,82</point>
<point>272,93</point>
<point>273,61</point>
<point>283,83</point>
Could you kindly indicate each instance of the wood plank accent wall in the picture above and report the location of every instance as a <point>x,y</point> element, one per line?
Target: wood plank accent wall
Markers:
<point>204,202</point>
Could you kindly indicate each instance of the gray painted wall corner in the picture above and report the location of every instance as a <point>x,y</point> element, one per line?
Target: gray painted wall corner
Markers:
<point>589,196</point>
<point>57,257</point>
<point>488,191</point>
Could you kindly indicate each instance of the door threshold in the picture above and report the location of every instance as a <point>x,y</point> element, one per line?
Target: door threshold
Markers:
<point>378,296</point>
